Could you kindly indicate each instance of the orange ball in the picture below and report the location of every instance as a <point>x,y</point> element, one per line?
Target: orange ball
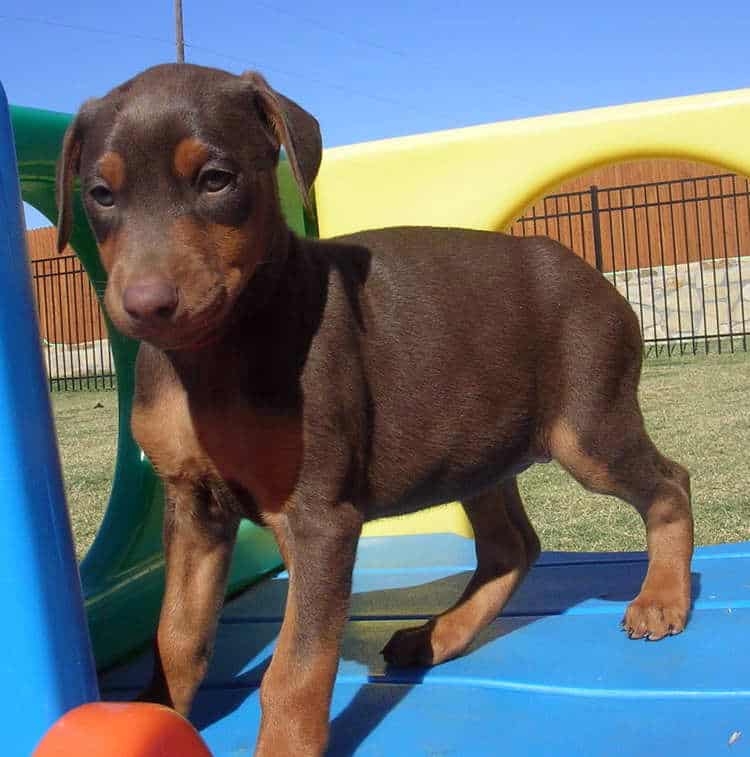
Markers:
<point>122,729</point>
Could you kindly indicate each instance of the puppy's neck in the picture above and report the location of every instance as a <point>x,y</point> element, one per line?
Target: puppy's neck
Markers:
<point>264,284</point>
<point>266,331</point>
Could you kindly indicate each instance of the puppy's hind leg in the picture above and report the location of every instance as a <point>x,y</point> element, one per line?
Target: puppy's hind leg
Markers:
<point>506,546</point>
<point>615,456</point>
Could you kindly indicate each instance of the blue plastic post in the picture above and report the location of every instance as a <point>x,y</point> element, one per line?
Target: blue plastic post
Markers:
<point>46,665</point>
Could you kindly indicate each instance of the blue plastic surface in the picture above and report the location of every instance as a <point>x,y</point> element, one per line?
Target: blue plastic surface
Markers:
<point>46,666</point>
<point>553,676</point>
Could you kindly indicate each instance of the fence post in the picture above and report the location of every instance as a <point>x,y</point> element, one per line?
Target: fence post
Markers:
<point>597,228</point>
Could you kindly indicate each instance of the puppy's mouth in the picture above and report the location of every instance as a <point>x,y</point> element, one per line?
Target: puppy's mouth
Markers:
<point>187,327</point>
<point>180,339</point>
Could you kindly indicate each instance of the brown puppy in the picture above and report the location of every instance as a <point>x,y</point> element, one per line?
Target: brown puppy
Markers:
<point>313,385</point>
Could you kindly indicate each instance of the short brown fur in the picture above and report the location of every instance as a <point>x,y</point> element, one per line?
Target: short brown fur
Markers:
<point>313,385</point>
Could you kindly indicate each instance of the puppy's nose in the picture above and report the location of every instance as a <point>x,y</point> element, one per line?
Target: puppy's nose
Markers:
<point>150,299</point>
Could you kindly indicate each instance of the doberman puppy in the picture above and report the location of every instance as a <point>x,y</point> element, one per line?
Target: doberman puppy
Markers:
<point>313,385</point>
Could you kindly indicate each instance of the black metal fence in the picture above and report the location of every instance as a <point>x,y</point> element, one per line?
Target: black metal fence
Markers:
<point>677,250</point>
<point>74,337</point>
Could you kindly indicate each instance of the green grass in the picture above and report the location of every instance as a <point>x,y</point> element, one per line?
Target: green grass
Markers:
<point>697,411</point>
<point>86,423</point>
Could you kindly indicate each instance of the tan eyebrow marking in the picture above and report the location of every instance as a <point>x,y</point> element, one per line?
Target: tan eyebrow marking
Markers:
<point>112,170</point>
<point>189,155</point>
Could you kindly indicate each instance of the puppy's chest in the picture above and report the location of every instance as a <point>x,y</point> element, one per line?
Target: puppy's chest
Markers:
<point>204,437</point>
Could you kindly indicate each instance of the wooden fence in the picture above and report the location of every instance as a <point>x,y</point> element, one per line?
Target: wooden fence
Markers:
<point>69,312</point>
<point>682,216</point>
<point>650,218</point>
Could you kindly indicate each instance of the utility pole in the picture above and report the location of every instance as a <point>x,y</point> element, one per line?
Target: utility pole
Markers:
<point>178,30</point>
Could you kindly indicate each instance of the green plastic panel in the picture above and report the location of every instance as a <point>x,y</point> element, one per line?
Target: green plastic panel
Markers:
<point>123,572</point>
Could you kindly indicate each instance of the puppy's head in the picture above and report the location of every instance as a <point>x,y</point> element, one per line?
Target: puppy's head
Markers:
<point>177,172</point>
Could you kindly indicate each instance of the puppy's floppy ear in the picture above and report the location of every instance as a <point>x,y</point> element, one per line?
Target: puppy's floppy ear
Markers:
<point>292,127</point>
<point>68,167</point>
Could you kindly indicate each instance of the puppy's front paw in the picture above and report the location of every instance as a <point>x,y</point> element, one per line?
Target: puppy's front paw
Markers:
<point>436,641</point>
<point>653,617</point>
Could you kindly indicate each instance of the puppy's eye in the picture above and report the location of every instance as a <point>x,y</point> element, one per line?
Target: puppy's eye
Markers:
<point>214,180</point>
<point>102,196</point>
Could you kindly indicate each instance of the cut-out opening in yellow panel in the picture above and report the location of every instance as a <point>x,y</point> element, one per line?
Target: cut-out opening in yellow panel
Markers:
<point>484,177</point>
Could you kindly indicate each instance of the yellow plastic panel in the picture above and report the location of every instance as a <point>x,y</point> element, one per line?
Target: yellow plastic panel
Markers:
<point>483,177</point>
<point>443,519</point>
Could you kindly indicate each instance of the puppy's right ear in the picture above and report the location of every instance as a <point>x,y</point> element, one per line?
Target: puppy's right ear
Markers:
<point>68,167</point>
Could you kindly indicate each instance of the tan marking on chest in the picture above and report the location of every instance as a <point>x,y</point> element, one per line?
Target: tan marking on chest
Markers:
<point>260,451</point>
<point>166,433</point>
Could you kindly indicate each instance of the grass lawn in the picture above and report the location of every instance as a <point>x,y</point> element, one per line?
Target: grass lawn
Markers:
<point>697,410</point>
<point>86,423</point>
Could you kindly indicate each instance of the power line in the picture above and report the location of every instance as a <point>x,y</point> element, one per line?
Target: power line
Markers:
<point>270,67</point>
<point>332,30</point>
<point>162,40</point>
<point>87,29</point>
<point>243,61</point>
<point>368,43</point>
<point>304,77</point>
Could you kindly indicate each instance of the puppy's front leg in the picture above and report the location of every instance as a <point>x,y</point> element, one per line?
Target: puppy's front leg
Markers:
<point>319,550</point>
<point>199,534</point>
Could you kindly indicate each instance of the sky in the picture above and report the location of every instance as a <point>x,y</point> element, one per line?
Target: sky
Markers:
<point>375,70</point>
